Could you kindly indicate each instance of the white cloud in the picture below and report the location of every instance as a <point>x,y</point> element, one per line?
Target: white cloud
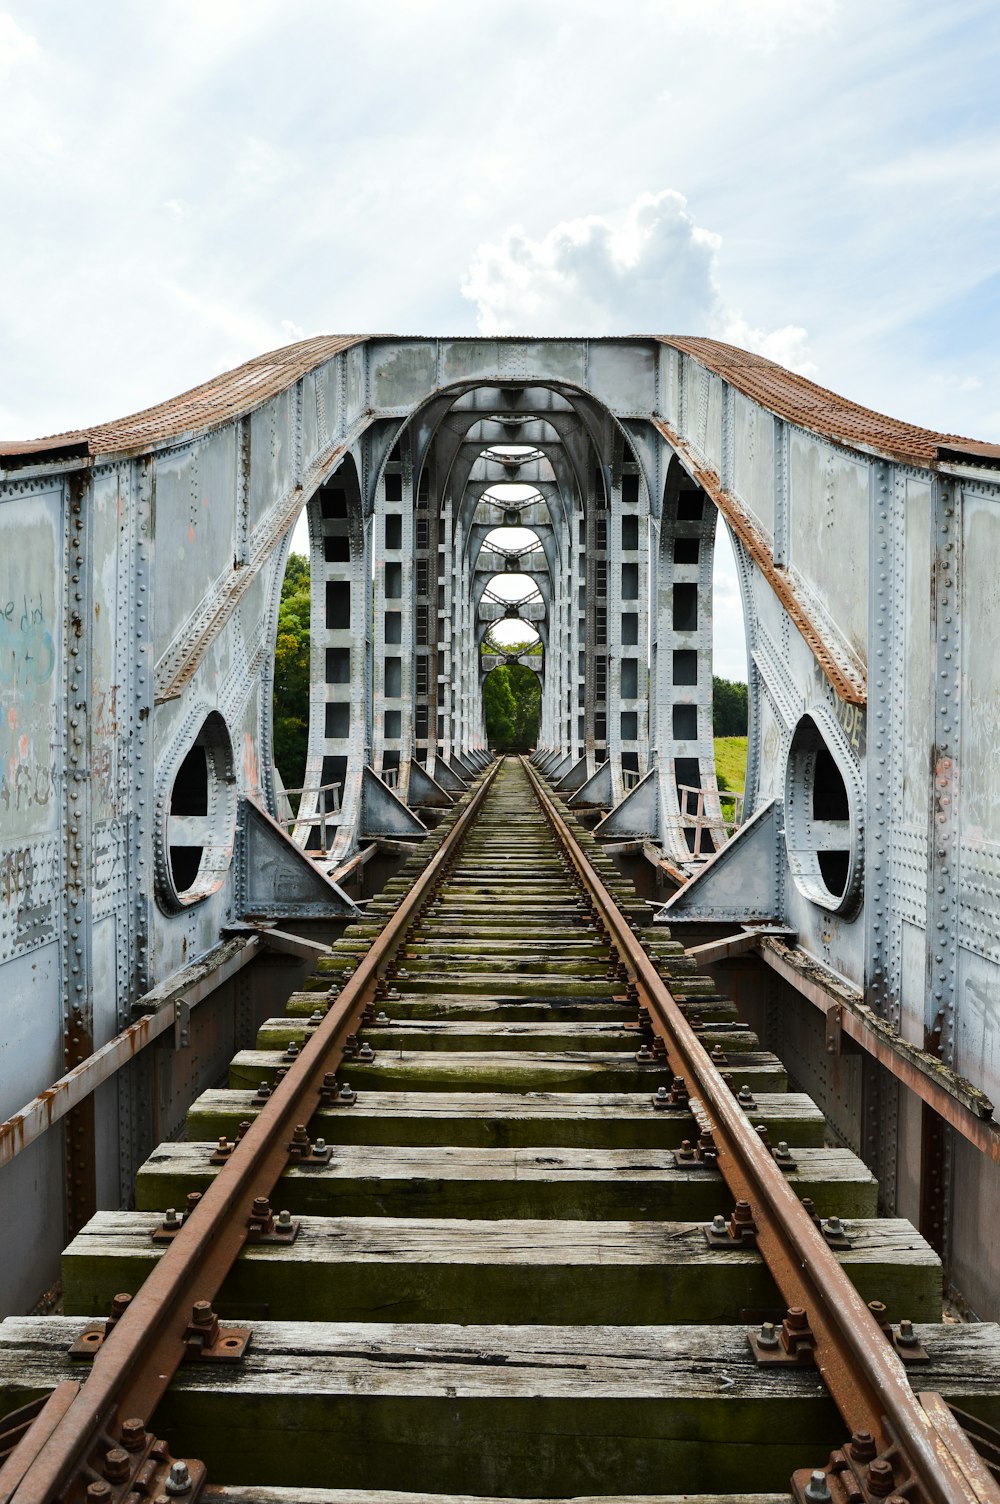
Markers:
<point>788,346</point>
<point>16,45</point>
<point>763,25</point>
<point>176,206</point>
<point>654,272</point>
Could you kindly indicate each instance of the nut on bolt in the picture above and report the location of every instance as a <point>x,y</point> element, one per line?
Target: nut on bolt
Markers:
<point>133,1435</point>
<point>881,1481</point>
<point>862,1446</point>
<point>906,1336</point>
<point>817,1490</point>
<point>178,1479</point>
<point>116,1465</point>
<point>768,1334</point>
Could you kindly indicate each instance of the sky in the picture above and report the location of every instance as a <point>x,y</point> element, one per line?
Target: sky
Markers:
<point>189,183</point>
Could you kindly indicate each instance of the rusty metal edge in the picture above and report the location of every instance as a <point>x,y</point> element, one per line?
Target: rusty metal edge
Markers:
<point>132,1371</point>
<point>922,1073</point>
<point>27,1125</point>
<point>848,678</point>
<point>865,1378</point>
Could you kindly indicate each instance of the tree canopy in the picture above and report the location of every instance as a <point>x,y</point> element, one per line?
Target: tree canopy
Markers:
<point>291,674</point>
<point>730,708</point>
<point>512,698</point>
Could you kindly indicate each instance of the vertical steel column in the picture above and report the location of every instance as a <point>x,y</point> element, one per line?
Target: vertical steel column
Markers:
<point>886,576</point>
<point>78,1012</point>
<point>943,844</point>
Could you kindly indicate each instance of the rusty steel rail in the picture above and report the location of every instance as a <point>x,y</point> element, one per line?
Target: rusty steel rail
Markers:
<point>862,1372</point>
<point>133,1369</point>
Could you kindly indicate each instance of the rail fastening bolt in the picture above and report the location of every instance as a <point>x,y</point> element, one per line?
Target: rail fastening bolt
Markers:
<point>881,1481</point>
<point>833,1225</point>
<point>99,1492</point>
<point>662,1093</point>
<point>201,1313</point>
<point>795,1318</point>
<point>906,1336</point>
<point>171,1221</point>
<point>719,1224</point>
<point>284,1219</point>
<point>133,1434</point>
<point>178,1479</point>
<point>768,1335</point>
<point>346,1093</point>
<point>116,1465</point>
<point>120,1305</point>
<point>817,1489</point>
<point>319,1147</point>
<point>863,1447</point>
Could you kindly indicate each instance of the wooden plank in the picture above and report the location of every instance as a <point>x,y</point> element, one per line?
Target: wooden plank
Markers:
<point>521,1411</point>
<point>249,1495</point>
<point>444,1034</point>
<point>546,1182</point>
<point>507,1120</point>
<point>495,1008</point>
<point>466,1270</point>
<point>555,1070</point>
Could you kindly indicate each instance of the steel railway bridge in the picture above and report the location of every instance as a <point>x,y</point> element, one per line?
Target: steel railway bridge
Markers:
<point>156,900</point>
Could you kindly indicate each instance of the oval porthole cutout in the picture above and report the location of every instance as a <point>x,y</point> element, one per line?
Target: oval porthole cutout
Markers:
<point>823,819</point>
<point>198,818</point>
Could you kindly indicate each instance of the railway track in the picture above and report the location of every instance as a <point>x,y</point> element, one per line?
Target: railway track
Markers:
<point>508,1204</point>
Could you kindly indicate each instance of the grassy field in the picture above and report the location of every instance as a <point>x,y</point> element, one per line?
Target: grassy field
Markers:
<point>731,761</point>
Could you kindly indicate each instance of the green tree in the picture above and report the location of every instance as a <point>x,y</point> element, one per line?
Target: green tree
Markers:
<point>512,699</point>
<point>291,674</point>
<point>730,708</point>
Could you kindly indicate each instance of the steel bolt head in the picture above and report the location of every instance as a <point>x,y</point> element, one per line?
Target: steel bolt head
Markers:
<point>170,1218</point>
<point>881,1481</point>
<point>120,1304</point>
<point>768,1335</point>
<point>116,1465</point>
<point>795,1317</point>
<point>346,1093</point>
<point>133,1434</point>
<point>782,1147</point>
<point>99,1492</point>
<point>817,1490</point>
<point>319,1147</point>
<point>261,1206</point>
<point>284,1218</point>
<point>178,1479</point>
<point>661,1092</point>
<point>718,1223</point>
<point>834,1225</point>
<point>201,1313</point>
<point>906,1335</point>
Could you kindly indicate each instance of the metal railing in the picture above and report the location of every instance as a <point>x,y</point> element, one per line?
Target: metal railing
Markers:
<point>327,805</point>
